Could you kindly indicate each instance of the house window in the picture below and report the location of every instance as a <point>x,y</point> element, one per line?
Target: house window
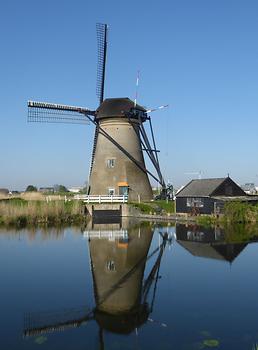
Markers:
<point>111,191</point>
<point>111,163</point>
<point>194,202</point>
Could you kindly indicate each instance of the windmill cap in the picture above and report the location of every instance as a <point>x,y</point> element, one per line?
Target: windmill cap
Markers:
<point>116,107</point>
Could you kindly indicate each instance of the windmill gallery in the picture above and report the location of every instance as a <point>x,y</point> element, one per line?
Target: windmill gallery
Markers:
<point>117,164</point>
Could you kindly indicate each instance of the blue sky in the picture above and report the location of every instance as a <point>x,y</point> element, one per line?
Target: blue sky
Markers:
<point>198,56</point>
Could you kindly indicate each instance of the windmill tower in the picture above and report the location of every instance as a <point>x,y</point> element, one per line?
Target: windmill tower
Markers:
<point>117,164</point>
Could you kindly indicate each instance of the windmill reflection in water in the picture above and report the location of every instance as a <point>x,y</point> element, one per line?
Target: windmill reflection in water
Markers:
<point>124,299</point>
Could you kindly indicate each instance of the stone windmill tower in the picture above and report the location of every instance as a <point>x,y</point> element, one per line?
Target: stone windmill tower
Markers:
<point>117,165</point>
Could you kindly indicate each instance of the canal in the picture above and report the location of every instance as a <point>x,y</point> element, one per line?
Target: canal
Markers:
<point>129,285</point>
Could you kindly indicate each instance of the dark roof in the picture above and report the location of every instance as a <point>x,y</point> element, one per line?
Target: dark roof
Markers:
<point>219,251</point>
<point>116,107</point>
<point>201,187</point>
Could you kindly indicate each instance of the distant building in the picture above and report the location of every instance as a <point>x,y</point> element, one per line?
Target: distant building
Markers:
<point>46,189</point>
<point>207,196</point>
<point>75,189</point>
<point>4,191</point>
<point>249,188</point>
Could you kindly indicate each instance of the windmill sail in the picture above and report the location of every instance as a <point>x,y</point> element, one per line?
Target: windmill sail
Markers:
<point>44,112</point>
<point>102,53</point>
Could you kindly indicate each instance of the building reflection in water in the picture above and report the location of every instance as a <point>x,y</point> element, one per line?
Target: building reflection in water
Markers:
<point>118,258</point>
<point>208,242</point>
<point>123,297</point>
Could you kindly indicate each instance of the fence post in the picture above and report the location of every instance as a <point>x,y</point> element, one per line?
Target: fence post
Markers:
<point>99,199</point>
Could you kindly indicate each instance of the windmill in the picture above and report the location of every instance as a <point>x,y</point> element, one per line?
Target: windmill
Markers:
<point>117,164</point>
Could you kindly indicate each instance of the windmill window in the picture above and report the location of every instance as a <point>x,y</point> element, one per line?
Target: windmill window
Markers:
<point>111,163</point>
<point>111,191</point>
<point>111,265</point>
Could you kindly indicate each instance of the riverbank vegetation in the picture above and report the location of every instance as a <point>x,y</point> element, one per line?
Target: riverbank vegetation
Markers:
<point>239,212</point>
<point>160,207</point>
<point>20,212</point>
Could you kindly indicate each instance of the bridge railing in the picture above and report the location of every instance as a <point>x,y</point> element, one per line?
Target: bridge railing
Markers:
<point>101,198</point>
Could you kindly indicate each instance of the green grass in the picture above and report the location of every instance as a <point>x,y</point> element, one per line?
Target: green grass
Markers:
<point>160,207</point>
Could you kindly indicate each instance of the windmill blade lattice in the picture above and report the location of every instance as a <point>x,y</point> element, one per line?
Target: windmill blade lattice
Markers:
<point>48,322</point>
<point>102,53</point>
<point>43,112</point>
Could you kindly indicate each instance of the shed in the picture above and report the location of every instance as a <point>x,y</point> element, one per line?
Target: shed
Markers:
<point>207,196</point>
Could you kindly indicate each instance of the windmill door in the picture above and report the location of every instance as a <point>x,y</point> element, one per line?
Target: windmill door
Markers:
<point>123,188</point>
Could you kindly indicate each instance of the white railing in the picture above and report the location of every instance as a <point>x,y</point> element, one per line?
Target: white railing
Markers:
<point>101,198</point>
<point>111,235</point>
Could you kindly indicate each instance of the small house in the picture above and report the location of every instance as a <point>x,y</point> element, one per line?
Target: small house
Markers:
<point>46,189</point>
<point>207,196</point>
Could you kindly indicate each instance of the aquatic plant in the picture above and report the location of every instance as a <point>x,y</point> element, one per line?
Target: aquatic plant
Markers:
<point>40,340</point>
<point>255,346</point>
<point>210,343</point>
<point>205,333</point>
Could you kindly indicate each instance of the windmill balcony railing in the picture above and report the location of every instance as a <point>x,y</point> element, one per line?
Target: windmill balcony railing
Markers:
<point>101,198</point>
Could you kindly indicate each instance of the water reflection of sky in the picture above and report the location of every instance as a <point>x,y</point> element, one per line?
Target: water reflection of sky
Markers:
<point>201,288</point>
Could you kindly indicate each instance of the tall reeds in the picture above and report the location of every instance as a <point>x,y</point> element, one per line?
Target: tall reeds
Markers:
<point>21,212</point>
<point>238,212</point>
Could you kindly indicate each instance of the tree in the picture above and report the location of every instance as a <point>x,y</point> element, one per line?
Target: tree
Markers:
<point>31,188</point>
<point>62,188</point>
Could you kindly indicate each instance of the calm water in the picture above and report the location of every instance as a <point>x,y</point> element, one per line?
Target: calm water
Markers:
<point>125,286</point>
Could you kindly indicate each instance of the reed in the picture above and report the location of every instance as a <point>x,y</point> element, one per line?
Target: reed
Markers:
<point>238,212</point>
<point>22,212</point>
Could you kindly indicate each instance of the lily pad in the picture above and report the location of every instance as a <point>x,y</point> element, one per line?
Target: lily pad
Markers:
<point>40,340</point>
<point>205,333</point>
<point>210,343</point>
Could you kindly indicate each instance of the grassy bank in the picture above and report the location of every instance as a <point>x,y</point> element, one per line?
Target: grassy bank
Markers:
<point>161,207</point>
<point>238,212</point>
<point>19,212</point>
<point>234,212</point>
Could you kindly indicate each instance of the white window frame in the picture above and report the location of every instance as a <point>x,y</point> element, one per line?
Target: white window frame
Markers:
<point>111,190</point>
<point>111,163</point>
<point>196,202</point>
